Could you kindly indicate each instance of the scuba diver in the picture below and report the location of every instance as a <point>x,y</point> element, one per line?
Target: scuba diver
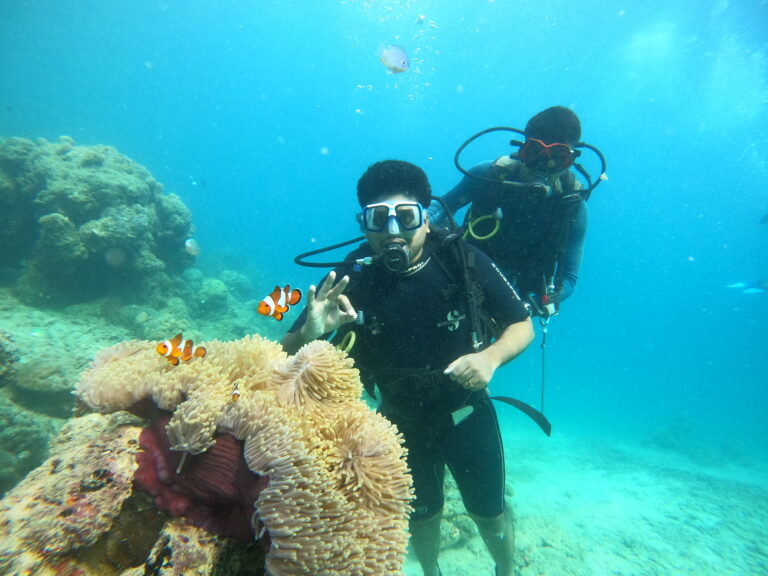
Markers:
<point>528,210</point>
<point>428,320</point>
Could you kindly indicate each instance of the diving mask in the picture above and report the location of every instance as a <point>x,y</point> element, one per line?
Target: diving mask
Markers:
<point>541,157</point>
<point>393,217</point>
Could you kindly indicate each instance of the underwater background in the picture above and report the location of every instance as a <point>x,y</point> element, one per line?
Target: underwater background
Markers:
<point>261,116</point>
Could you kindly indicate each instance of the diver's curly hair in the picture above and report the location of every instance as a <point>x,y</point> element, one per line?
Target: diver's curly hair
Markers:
<point>555,124</point>
<point>393,177</point>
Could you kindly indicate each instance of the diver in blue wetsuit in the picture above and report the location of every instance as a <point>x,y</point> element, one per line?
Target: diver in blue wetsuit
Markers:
<point>528,211</point>
<point>431,343</point>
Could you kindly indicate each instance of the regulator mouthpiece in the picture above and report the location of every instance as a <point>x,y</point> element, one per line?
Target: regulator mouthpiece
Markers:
<point>540,184</point>
<point>396,257</point>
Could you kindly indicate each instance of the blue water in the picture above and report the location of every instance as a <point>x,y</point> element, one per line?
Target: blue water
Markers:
<point>262,115</point>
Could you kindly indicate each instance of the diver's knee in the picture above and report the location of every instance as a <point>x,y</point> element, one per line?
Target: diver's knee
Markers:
<point>495,526</point>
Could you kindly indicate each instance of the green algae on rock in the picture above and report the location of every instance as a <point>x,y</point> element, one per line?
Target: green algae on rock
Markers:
<point>82,222</point>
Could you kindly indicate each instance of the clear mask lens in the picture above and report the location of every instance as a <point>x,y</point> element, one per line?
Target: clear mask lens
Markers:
<point>406,215</point>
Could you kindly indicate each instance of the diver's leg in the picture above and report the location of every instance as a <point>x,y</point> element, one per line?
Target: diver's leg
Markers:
<point>425,539</point>
<point>477,464</point>
<point>427,464</point>
<point>499,536</point>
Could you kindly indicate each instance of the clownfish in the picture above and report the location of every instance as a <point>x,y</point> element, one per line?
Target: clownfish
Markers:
<point>235,392</point>
<point>276,304</point>
<point>179,350</point>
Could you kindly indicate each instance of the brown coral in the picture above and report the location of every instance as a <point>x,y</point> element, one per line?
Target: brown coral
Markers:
<point>54,511</point>
<point>338,496</point>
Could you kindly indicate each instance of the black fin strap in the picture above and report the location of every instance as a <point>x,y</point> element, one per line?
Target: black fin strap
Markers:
<point>529,411</point>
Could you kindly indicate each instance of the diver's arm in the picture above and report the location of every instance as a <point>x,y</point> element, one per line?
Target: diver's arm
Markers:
<point>474,371</point>
<point>513,340</point>
<point>327,309</point>
<point>570,262</point>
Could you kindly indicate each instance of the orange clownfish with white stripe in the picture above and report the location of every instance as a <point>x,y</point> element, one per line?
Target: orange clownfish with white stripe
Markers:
<point>277,303</point>
<point>179,350</point>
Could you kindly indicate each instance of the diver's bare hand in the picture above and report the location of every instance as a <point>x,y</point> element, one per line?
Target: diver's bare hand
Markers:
<point>327,307</point>
<point>472,371</point>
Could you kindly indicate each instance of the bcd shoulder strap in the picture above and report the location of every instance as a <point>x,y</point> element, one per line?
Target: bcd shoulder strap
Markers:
<point>460,266</point>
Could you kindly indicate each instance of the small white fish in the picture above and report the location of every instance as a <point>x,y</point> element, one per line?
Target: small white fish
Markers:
<point>394,58</point>
<point>752,287</point>
<point>192,247</point>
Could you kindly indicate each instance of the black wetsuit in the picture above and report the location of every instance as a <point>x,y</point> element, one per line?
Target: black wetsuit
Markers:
<point>413,326</point>
<point>539,237</point>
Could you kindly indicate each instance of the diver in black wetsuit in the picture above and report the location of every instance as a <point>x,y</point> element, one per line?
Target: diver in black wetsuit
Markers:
<point>418,340</point>
<point>528,212</point>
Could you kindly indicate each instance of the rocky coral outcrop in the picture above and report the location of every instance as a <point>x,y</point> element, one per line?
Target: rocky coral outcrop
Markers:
<point>79,222</point>
<point>24,438</point>
<point>9,355</point>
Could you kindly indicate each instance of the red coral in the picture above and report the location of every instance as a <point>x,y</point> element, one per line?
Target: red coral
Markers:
<point>214,490</point>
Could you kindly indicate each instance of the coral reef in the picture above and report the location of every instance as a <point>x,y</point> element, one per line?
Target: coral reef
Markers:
<point>238,284</point>
<point>42,353</point>
<point>54,510</point>
<point>213,295</point>
<point>85,224</point>
<point>8,357</point>
<point>24,439</point>
<point>83,221</point>
<point>79,514</point>
<point>247,443</point>
<point>51,348</point>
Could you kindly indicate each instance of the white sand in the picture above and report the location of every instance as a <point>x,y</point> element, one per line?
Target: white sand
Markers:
<point>586,506</point>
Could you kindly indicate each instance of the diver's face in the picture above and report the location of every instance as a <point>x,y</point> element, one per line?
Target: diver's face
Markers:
<point>396,221</point>
<point>527,174</point>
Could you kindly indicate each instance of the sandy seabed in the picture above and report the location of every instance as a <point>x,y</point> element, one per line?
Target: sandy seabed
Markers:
<point>585,507</point>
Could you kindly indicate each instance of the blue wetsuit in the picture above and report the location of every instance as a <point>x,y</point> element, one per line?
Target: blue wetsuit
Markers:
<point>413,326</point>
<point>540,238</point>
